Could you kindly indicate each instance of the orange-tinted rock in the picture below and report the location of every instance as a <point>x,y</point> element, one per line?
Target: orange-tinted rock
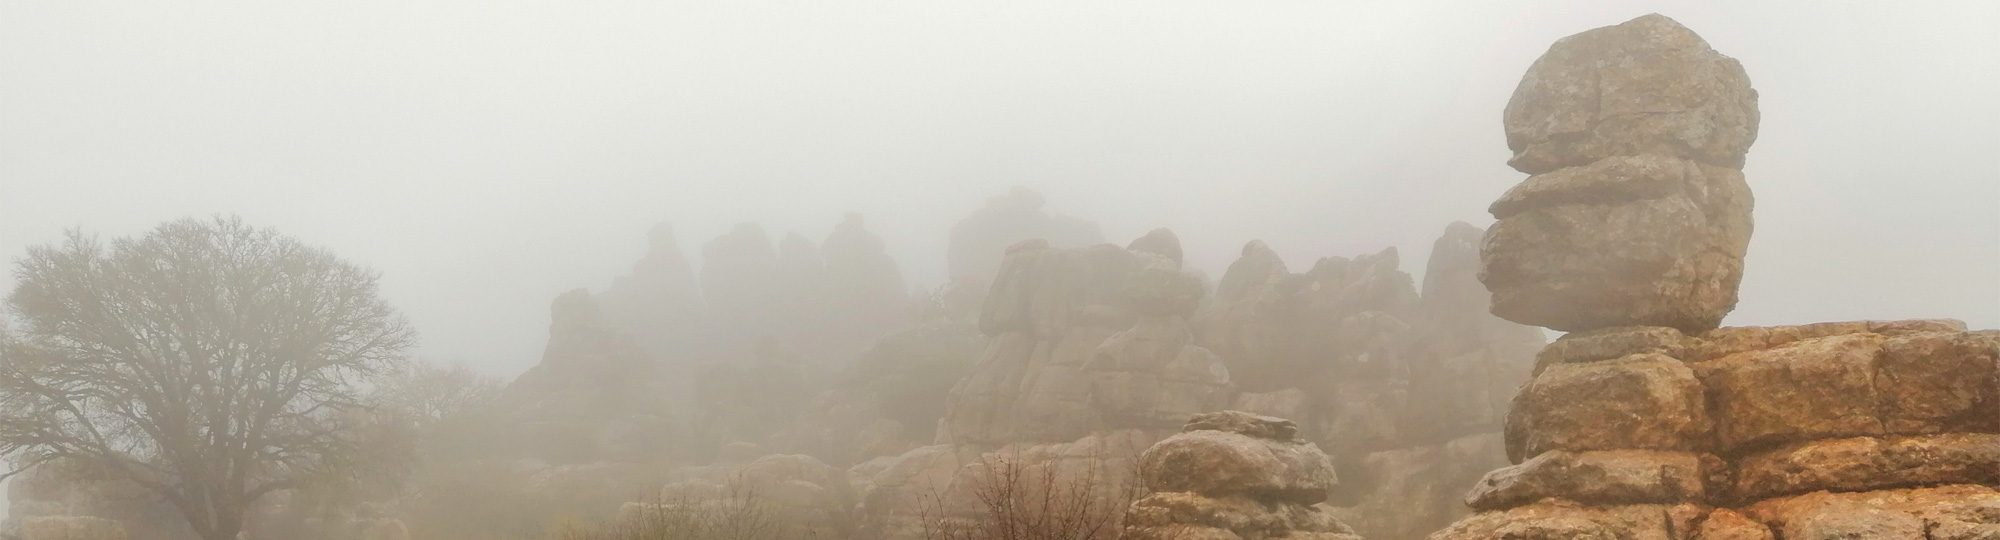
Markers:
<point>1610,344</point>
<point>1869,463</point>
<point>1939,381</point>
<point>1603,477</point>
<point>1957,512</point>
<point>1726,524</point>
<point>1566,520</point>
<point>1647,402</point>
<point>1816,388</point>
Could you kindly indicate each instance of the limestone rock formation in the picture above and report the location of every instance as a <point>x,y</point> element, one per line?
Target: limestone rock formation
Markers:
<point>660,301</point>
<point>979,241</point>
<point>1839,430</point>
<point>1647,421</point>
<point>1234,475</point>
<point>890,399</point>
<point>864,285</point>
<point>1637,213</point>
<point>1085,339</point>
<point>740,279</point>
<point>1089,359</point>
<point>595,394</point>
<point>1407,390</point>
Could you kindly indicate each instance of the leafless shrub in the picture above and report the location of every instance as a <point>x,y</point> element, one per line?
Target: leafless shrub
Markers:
<point>741,514</point>
<point>1022,500</point>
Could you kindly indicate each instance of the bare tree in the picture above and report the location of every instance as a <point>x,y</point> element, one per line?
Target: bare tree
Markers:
<point>208,361</point>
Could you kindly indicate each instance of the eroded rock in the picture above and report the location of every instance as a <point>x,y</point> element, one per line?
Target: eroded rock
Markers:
<point>1233,474</point>
<point>1603,477</point>
<point>1647,402</point>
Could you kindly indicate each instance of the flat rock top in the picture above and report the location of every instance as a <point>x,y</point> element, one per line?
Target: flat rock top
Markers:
<point>1252,425</point>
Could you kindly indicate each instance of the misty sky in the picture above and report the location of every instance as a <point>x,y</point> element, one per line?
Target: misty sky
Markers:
<point>488,155</point>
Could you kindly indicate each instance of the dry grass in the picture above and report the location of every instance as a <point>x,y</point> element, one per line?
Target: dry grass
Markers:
<point>740,515</point>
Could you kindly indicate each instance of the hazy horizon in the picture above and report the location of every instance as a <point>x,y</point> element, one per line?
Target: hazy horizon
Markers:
<point>488,156</point>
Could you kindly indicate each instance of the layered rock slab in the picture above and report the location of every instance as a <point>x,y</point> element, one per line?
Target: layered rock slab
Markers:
<point>1233,475</point>
<point>1797,442</point>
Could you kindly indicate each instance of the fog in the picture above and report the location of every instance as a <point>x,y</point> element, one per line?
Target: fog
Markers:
<point>486,156</point>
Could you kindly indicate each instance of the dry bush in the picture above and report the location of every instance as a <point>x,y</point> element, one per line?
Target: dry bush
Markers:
<point>1019,500</point>
<point>739,515</point>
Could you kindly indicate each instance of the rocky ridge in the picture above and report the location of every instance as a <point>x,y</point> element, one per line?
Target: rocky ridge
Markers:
<point>1647,421</point>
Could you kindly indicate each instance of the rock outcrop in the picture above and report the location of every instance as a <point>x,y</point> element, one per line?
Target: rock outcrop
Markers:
<point>744,285</point>
<point>1647,421</point>
<point>660,302</point>
<point>1637,213</point>
<point>1235,476</point>
<point>890,399</point>
<point>1085,339</point>
<point>1406,389</point>
<point>594,396</point>
<point>1840,430</point>
<point>1089,359</point>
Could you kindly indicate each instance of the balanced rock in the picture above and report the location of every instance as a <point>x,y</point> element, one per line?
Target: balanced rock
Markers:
<point>1637,213</point>
<point>1648,86</point>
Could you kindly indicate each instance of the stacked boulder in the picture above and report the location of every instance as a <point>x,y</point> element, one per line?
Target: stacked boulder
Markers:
<point>1637,212</point>
<point>1647,421</point>
<point>1233,475</point>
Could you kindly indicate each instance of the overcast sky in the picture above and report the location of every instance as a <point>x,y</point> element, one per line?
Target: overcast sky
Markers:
<point>487,155</point>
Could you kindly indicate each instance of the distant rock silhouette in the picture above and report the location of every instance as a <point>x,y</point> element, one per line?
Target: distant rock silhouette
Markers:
<point>979,241</point>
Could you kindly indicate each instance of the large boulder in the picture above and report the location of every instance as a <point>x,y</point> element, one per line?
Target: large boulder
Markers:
<point>1637,213</point>
<point>1237,453</point>
<point>1233,475</point>
<point>1648,86</point>
<point>1643,402</point>
<point>1624,241</point>
<point>1816,388</point>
